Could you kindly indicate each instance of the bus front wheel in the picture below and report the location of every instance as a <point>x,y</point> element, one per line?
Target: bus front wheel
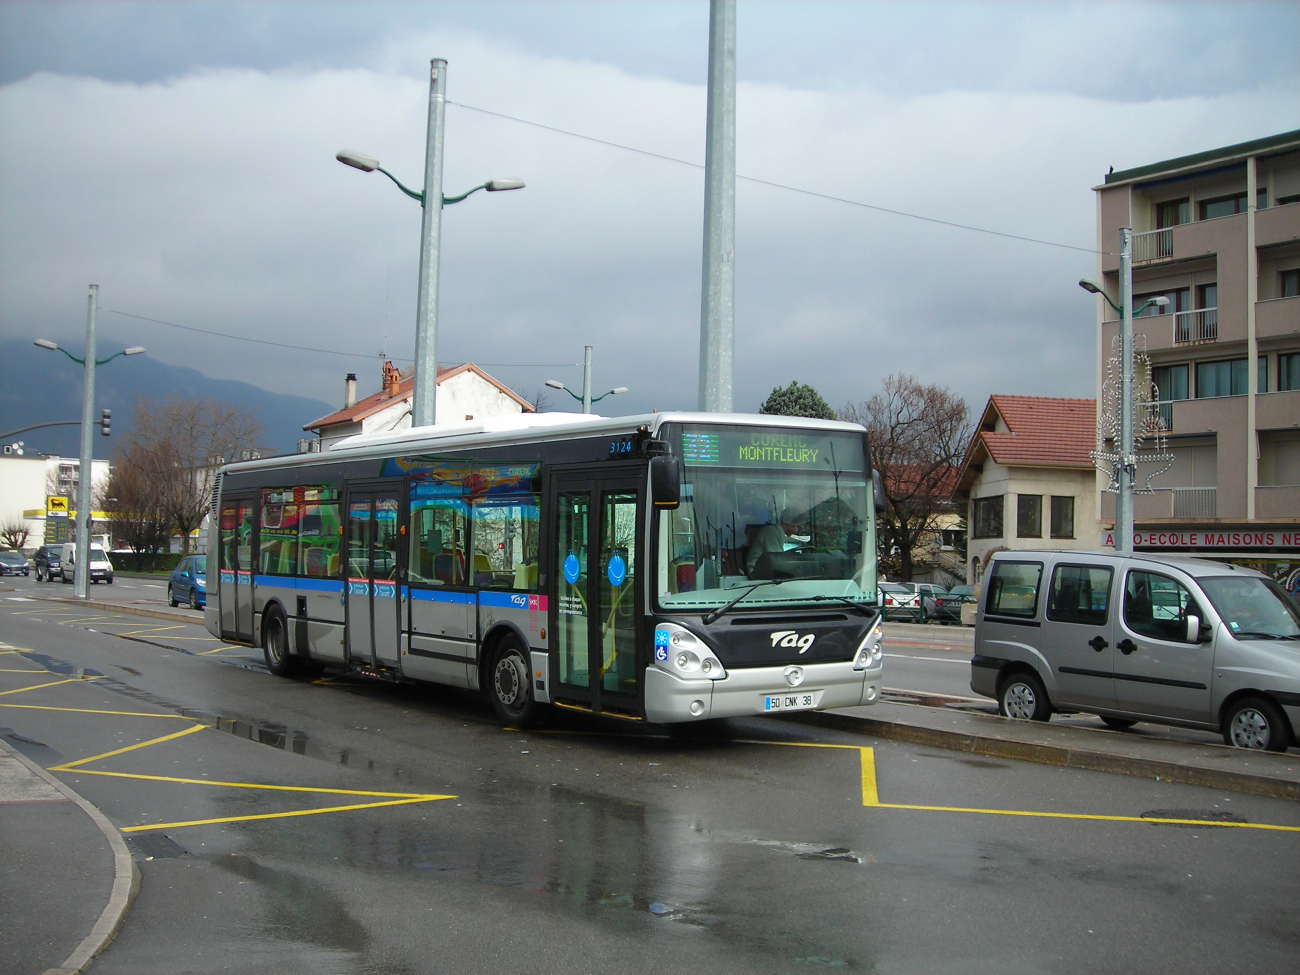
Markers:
<point>510,685</point>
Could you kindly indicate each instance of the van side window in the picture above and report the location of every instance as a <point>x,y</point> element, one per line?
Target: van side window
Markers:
<point>1158,606</point>
<point>1013,589</point>
<point>1079,594</point>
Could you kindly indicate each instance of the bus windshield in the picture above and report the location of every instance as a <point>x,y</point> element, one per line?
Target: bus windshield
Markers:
<point>767,504</point>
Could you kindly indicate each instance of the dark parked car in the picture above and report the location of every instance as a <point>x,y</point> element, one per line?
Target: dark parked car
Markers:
<point>48,565</point>
<point>947,607</point>
<point>188,583</point>
<point>13,564</point>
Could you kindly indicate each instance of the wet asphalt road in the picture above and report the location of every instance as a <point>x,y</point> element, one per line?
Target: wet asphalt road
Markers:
<point>597,848</point>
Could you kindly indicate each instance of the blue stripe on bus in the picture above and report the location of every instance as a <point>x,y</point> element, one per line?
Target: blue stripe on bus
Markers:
<point>305,585</point>
<point>507,600</point>
<point>441,596</point>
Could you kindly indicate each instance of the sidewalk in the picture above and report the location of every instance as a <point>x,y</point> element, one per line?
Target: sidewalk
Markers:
<point>951,723</point>
<point>151,608</point>
<point>68,878</point>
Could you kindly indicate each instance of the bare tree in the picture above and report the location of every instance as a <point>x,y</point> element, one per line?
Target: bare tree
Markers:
<point>137,517</point>
<point>14,532</point>
<point>918,436</point>
<point>179,443</point>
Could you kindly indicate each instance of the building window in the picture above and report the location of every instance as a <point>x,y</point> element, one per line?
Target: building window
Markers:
<point>1288,371</point>
<point>1225,378</point>
<point>988,517</point>
<point>1180,299</point>
<point>1261,197</point>
<point>1029,516</point>
<point>1062,517</point>
<point>1171,382</point>
<point>1173,213</point>
<point>1284,200</point>
<point>1288,285</point>
<point>1262,386</point>
<point>1207,296</point>
<point>1223,206</point>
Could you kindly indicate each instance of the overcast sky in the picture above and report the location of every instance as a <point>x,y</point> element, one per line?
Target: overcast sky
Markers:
<point>180,155</point>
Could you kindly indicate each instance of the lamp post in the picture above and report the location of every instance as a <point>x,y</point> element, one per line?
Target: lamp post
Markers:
<point>425,395</point>
<point>1127,473</point>
<point>586,399</point>
<point>81,574</point>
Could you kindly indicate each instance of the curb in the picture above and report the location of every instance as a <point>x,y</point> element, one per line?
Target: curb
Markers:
<point>126,877</point>
<point>1068,757</point>
<point>157,614</point>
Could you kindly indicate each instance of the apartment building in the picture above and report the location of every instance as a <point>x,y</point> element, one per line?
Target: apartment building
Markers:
<point>1218,234</point>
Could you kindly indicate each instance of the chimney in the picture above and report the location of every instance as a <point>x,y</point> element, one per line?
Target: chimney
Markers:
<point>392,378</point>
<point>350,391</point>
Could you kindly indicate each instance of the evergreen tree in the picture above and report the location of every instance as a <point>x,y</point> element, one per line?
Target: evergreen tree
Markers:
<point>798,399</point>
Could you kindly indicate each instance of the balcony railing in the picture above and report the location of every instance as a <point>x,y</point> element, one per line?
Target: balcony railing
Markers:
<point>1153,245</point>
<point>1201,325</point>
<point>1196,502</point>
<point>1165,408</point>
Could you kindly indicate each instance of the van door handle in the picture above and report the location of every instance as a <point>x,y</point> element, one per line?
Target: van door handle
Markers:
<point>1098,644</point>
<point>1126,646</point>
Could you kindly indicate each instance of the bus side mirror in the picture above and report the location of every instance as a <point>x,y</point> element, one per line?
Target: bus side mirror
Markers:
<point>666,481</point>
<point>878,491</point>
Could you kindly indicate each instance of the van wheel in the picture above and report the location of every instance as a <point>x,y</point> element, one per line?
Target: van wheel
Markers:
<point>510,685</point>
<point>275,646</point>
<point>1119,724</point>
<point>1256,722</point>
<point>1022,696</point>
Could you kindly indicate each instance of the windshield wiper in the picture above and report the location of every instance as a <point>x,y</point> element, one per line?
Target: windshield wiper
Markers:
<point>709,618</point>
<point>864,610</point>
<point>1261,635</point>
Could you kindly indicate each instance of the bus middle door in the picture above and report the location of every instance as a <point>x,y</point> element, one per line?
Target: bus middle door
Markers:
<point>372,593</point>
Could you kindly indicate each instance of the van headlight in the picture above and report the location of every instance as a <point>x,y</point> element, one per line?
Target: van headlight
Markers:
<point>869,650</point>
<point>682,654</point>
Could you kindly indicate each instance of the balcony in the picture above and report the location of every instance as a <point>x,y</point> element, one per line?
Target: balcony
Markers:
<point>1196,502</point>
<point>1194,327</point>
<point>1153,245</point>
<point>1277,317</point>
<point>1277,501</point>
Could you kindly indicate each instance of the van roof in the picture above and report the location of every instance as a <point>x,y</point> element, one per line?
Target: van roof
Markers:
<point>1191,564</point>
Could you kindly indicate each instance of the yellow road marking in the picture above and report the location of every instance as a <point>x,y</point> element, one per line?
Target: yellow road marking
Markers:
<point>26,670</point>
<point>124,714</point>
<point>49,611</point>
<point>37,687</point>
<point>154,629</point>
<point>282,815</point>
<point>870,797</point>
<point>204,653</point>
<point>255,785</point>
<point>88,619</point>
<point>129,748</point>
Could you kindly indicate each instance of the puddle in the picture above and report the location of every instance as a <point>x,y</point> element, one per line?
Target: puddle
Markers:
<point>816,851</point>
<point>39,752</point>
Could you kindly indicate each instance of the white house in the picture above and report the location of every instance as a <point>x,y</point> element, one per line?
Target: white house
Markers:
<point>465,392</point>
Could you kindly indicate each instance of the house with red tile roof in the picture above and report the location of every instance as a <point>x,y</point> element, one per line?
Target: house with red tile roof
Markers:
<point>1028,477</point>
<point>465,392</point>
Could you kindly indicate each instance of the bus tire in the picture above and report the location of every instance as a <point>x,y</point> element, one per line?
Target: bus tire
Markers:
<point>510,685</point>
<point>275,645</point>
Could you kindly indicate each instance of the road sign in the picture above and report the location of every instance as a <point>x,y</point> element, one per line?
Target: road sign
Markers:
<point>56,505</point>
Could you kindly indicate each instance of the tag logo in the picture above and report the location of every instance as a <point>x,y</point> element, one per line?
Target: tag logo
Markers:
<point>789,638</point>
<point>520,601</point>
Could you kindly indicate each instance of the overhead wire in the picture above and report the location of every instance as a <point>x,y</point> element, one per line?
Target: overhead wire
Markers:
<point>779,186</point>
<point>308,348</point>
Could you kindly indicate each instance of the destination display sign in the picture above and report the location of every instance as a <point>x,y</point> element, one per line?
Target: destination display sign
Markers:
<point>773,449</point>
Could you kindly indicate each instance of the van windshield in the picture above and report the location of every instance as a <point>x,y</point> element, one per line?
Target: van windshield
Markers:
<point>1253,608</point>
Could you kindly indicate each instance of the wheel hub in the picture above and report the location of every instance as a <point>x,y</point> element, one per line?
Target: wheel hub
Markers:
<point>508,681</point>
<point>1249,730</point>
<point>1020,701</point>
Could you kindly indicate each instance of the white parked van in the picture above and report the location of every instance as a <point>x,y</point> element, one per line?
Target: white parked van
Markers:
<point>101,569</point>
<point>1169,639</point>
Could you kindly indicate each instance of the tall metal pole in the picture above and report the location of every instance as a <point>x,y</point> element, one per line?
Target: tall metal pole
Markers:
<point>718,287</point>
<point>424,404</point>
<point>81,570</point>
<point>1128,465</point>
<point>586,380</point>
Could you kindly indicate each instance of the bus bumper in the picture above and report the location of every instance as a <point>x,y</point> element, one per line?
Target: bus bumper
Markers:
<point>669,699</point>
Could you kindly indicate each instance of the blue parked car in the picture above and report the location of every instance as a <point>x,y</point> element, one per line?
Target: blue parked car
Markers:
<point>188,583</point>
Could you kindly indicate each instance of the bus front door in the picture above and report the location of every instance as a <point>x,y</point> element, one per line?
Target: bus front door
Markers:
<point>597,606</point>
<point>372,596</point>
<point>235,573</point>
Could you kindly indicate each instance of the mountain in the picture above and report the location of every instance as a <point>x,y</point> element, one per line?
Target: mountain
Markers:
<point>38,386</point>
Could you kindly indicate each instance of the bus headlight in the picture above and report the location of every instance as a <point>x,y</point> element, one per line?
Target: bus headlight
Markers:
<point>869,650</point>
<point>682,654</point>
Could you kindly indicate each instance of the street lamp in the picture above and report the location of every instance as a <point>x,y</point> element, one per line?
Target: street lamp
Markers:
<point>586,399</point>
<point>425,395</point>
<point>88,364</point>
<point>1127,462</point>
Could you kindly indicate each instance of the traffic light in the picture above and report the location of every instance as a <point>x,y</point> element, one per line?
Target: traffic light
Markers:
<point>105,416</point>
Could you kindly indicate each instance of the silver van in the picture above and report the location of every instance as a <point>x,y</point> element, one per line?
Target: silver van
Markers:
<point>1170,639</point>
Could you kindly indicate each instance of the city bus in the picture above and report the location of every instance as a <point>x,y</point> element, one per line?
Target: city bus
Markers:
<point>665,568</point>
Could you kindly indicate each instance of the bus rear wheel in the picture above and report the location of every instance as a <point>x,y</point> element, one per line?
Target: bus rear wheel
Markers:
<point>275,646</point>
<point>510,685</point>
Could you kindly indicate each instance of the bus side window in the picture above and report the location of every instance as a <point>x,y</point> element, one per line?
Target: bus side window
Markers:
<point>318,541</point>
<point>436,555</point>
<point>505,542</point>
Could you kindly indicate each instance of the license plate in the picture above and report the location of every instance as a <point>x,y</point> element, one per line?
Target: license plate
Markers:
<point>794,701</point>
